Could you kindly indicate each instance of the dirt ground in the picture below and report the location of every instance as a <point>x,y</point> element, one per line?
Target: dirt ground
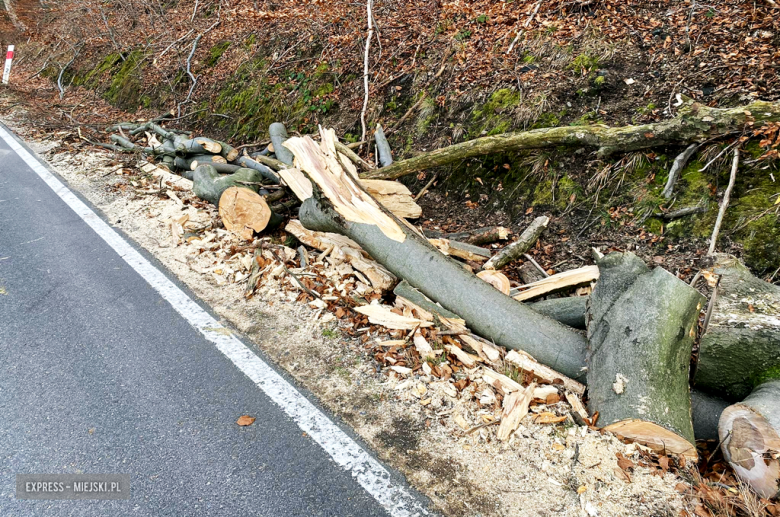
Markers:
<point>561,469</point>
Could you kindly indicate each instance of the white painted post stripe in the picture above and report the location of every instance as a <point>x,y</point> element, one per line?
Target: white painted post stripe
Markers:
<point>369,473</point>
<point>9,57</point>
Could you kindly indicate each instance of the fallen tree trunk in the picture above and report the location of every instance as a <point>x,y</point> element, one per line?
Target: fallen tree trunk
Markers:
<point>742,340</point>
<point>641,332</point>
<point>382,147</point>
<point>341,206</point>
<point>190,163</point>
<point>694,123</point>
<point>750,436</point>
<point>524,243</point>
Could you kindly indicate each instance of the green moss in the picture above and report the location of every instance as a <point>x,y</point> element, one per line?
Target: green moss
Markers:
<point>585,63</point>
<point>493,116</point>
<point>125,88</point>
<point>250,41</point>
<point>768,375</point>
<point>761,242</point>
<point>654,225</point>
<point>216,52</point>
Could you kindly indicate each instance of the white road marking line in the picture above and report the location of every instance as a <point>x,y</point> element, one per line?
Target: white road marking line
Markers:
<point>368,472</point>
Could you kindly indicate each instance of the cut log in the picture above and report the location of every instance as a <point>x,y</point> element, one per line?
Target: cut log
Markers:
<point>524,243</point>
<point>694,123</point>
<point>278,134</point>
<point>497,280</point>
<point>341,206</point>
<point>209,185</point>
<point>344,249</point>
<point>249,163</point>
<point>565,280</point>
<point>198,145</point>
<point>641,329</point>
<point>461,250</point>
<point>382,147</point>
<point>569,311</point>
<point>742,340</point>
<point>750,436</point>
<point>244,212</point>
<point>228,152</point>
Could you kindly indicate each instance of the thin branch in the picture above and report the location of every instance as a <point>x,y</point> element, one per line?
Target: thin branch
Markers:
<point>525,26</point>
<point>725,204</point>
<point>365,69</point>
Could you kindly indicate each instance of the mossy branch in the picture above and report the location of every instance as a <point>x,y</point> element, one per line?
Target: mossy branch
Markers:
<point>694,123</point>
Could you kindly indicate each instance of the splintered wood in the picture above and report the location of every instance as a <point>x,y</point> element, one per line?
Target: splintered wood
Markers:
<point>515,408</point>
<point>321,163</point>
<point>344,249</point>
<point>572,278</point>
<point>381,315</point>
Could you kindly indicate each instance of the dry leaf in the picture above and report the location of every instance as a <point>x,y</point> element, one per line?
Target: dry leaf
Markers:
<point>245,420</point>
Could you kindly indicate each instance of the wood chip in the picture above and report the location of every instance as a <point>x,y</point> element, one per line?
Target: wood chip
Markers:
<point>527,363</point>
<point>515,408</point>
<point>382,315</point>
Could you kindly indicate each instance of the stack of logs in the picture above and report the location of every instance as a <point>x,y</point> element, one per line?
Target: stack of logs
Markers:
<point>640,324</point>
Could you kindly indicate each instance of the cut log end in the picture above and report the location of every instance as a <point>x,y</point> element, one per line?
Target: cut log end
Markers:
<point>243,212</point>
<point>750,436</point>
<point>655,437</point>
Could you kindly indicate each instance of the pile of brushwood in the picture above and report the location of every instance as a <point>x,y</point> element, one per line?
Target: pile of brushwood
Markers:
<point>629,336</point>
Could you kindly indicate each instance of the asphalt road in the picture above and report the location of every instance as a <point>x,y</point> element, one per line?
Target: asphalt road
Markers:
<point>99,374</point>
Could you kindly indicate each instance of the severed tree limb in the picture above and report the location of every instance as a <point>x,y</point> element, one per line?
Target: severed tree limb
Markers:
<point>524,243</point>
<point>349,153</point>
<point>725,204</point>
<point>694,123</point>
<point>677,167</point>
<point>382,147</point>
<point>278,134</point>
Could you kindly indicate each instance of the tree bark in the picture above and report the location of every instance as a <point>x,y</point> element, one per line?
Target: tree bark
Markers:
<point>524,243</point>
<point>640,330</point>
<point>706,410</point>
<point>278,134</point>
<point>341,206</point>
<point>750,436</point>
<point>249,163</point>
<point>569,311</point>
<point>742,340</point>
<point>694,123</point>
<point>209,185</point>
<point>382,147</point>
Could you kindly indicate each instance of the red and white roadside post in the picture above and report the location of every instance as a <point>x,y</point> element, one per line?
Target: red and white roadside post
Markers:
<point>8,58</point>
